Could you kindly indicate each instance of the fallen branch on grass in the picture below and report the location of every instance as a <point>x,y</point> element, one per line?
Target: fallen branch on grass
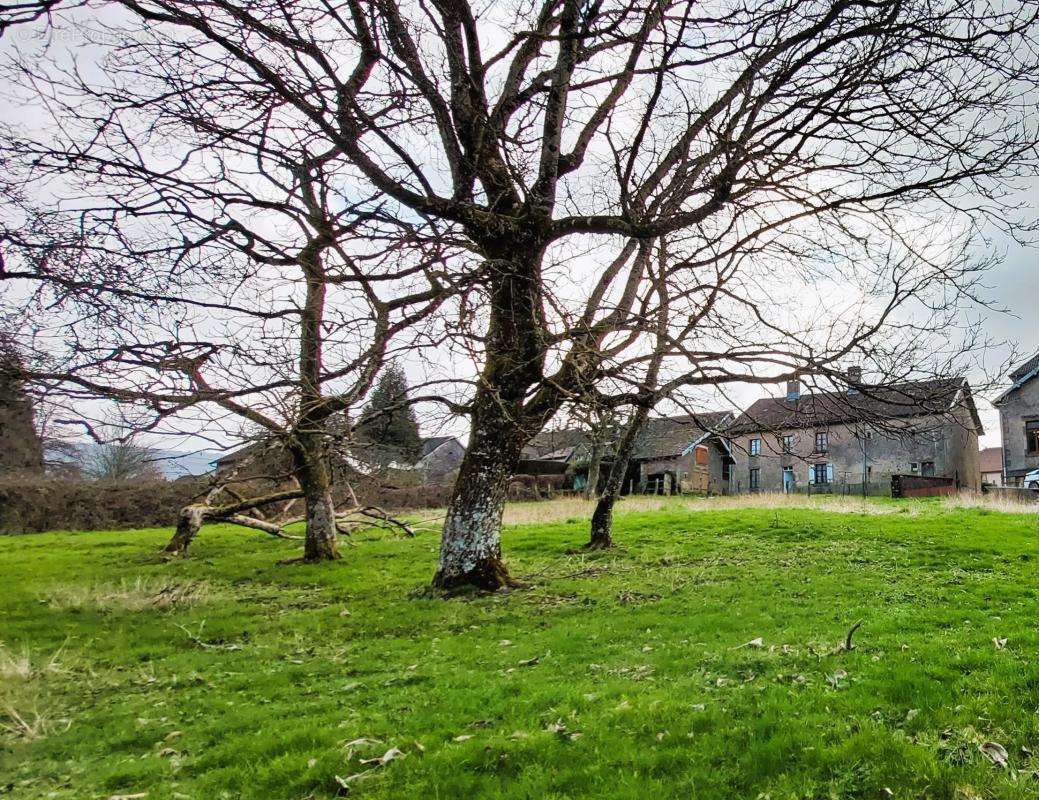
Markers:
<point>247,512</point>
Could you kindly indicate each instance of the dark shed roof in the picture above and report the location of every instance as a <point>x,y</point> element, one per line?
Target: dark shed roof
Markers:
<point>670,436</point>
<point>1025,367</point>
<point>553,440</point>
<point>433,442</point>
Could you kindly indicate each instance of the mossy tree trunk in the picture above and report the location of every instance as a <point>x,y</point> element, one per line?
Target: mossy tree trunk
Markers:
<point>315,480</point>
<point>470,550</point>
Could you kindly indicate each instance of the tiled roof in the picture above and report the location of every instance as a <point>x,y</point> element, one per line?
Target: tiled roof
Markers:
<point>663,437</point>
<point>992,459</point>
<point>433,442</point>
<point>1020,375</point>
<point>551,441</point>
<point>871,403</point>
<point>670,436</point>
<point>1025,367</point>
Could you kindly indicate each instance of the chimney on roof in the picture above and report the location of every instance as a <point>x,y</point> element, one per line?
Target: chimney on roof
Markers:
<point>854,379</point>
<point>793,389</point>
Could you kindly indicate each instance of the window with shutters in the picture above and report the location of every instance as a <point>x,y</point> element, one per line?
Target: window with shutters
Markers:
<point>820,473</point>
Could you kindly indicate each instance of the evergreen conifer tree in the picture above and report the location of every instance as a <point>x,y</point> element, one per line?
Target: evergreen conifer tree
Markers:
<point>388,422</point>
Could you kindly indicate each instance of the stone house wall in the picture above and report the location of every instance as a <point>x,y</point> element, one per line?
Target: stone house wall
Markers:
<point>952,446</point>
<point>1021,406</point>
<point>691,477</point>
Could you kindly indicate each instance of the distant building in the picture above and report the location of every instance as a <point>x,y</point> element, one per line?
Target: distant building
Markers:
<point>831,441</point>
<point>564,451</point>
<point>683,454</point>
<point>557,444</point>
<point>992,466</point>
<point>441,455</point>
<point>1019,422</point>
<point>673,455</point>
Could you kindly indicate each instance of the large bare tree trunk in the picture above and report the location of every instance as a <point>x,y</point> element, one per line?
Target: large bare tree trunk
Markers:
<point>470,549</point>
<point>315,480</point>
<point>601,537</point>
<point>470,545</point>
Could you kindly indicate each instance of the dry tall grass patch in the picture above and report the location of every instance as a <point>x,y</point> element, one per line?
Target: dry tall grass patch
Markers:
<point>139,594</point>
<point>565,508</point>
<point>562,509</point>
<point>1007,505</point>
<point>22,676</point>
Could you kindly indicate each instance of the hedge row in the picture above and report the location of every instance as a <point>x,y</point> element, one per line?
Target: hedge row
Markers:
<point>31,505</point>
<point>522,487</point>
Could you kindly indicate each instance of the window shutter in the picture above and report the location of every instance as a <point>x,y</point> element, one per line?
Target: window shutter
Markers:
<point>829,473</point>
<point>811,474</point>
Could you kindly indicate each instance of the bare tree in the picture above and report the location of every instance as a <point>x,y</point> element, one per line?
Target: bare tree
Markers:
<point>793,152</point>
<point>207,263</point>
<point>120,459</point>
<point>600,421</point>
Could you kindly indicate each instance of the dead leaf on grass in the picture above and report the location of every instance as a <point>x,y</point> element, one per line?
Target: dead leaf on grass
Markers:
<point>835,678</point>
<point>386,757</point>
<point>996,753</point>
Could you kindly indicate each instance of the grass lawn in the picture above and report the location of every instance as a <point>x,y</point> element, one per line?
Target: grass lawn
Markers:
<point>700,659</point>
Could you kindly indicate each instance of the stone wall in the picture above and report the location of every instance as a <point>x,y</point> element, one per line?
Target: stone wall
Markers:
<point>1022,405</point>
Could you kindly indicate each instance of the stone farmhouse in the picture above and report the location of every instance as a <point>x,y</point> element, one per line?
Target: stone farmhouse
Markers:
<point>848,440</point>
<point>683,454</point>
<point>1019,422</point>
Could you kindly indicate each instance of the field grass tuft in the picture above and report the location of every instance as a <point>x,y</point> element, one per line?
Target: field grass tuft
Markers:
<point>127,594</point>
<point>705,657</point>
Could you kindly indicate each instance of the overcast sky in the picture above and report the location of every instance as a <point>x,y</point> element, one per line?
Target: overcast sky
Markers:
<point>1013,285</point>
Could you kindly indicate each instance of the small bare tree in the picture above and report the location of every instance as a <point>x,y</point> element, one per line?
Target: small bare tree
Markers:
<point>120,460</point>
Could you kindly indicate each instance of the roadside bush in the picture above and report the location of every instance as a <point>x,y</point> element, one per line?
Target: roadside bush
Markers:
<point>30,505</point>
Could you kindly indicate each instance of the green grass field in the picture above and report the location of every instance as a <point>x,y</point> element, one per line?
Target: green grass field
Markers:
<point>700,659</point>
